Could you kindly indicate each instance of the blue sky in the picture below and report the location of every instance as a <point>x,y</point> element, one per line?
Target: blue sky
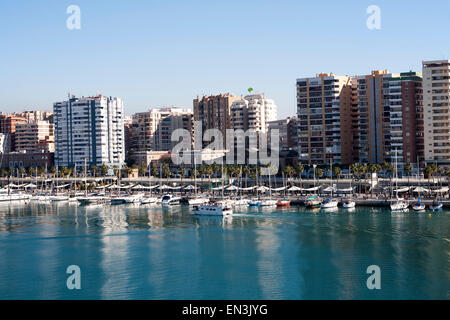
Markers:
<point>155,53</point>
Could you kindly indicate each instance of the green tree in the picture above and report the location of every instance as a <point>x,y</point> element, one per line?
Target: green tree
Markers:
<point>408,169</point>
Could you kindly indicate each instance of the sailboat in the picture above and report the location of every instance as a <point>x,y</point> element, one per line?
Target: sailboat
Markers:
<point>196,200</point>
<point>419,205</point>
<point>399,204</point>
<point>329,203</point>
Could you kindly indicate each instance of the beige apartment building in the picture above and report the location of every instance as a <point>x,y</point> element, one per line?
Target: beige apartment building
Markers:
<point>214,112</point>
<point>152,130</point>
<point>35,136</point>
<point>436,95</point>
<point>324,110</point>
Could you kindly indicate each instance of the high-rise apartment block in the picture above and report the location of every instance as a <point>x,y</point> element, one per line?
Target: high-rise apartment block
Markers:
<point>436,96</point>
<point>404,137</point>
<point>365,119</point>
<point>89,129</point>
<point>324,105</point>
<point>373,116</point>
<point>214,112</point>
<point>253,112</point>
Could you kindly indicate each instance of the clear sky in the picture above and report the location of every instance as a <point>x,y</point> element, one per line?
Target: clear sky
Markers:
<point>164,52</point>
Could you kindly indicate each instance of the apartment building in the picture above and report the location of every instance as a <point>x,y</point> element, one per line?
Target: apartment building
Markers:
<point>253,112</point>
<point>324,107</point>
<point>287,129</point>
<point>153,130</point>
<point>8,124</point>
<point>35,136</point>
<point>214,112</point>
<point>5,143</point>
<point>405,137</point>
<point>436,94</point>
<point>373,116</point>
<point>89,129</point>
<point>35,115</point>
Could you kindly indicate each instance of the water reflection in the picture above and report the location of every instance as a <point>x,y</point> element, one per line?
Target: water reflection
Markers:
<point>150,252</point>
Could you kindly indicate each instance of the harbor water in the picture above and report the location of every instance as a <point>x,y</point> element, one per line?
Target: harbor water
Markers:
<point>149,252</point>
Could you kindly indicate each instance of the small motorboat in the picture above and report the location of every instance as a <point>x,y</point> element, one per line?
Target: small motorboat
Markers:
<point>221,208</point>
<point>399,205</point>
<point>283,202</point>
<point>241,202</point>
<point>313,202</point>
<point>418,206</point>
<point>170,200</point>
<point>436,205</point>
<point>329,203</point>
<point>348,203</point>
<point>149,200</point>
<point>197,201</point>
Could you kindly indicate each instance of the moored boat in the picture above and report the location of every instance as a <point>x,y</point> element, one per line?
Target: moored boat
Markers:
<point>170,200</point>
<point>418,206</point>
<point>436,205</point>
<point>198,201</point>
<point>329,203</point>
<point>313,202</point>
<point>283,202</point>
<point>348,203</point>
<point>220,208</point>
<point>399,205</point>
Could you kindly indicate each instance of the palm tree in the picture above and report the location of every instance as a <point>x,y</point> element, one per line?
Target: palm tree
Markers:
<point>142,169</point>
<point>166,171</point>
<point>319,173</point>
<point>337,173</point>
<point>246,172</point>
<point>299,169</point>
<point>155,172</point>
<point>104,169</point>
<point>408,169</point>
<point>289,171</point>
<point>182,172</point>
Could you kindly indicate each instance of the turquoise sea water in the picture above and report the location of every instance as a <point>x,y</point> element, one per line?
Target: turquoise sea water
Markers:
<point>129,252</point>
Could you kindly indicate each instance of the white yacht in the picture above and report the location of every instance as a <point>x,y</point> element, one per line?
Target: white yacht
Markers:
<point>348,203</point>
<point>88,200</point>
<point>198,201</point>
<point>241,202</point>
<point>221,208</point>
<point>418,206</point>
<point>58,198</point>
<point>329,203</point>
<point>399,205</point>
<point>170,200</point>
<point>13,197</point>
<point>149,200</point>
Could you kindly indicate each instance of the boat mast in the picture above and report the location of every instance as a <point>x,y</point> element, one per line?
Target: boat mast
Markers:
<point>270,184</point>
<point>85,177</point>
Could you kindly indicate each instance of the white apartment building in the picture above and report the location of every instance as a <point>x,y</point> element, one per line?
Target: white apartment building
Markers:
<point>89,129</point>
<point>5,143</point>
<point>436,94</point>
<point>253,112</point>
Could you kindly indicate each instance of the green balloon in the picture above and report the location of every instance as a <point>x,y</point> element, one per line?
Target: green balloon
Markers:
<point>250,89</point>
